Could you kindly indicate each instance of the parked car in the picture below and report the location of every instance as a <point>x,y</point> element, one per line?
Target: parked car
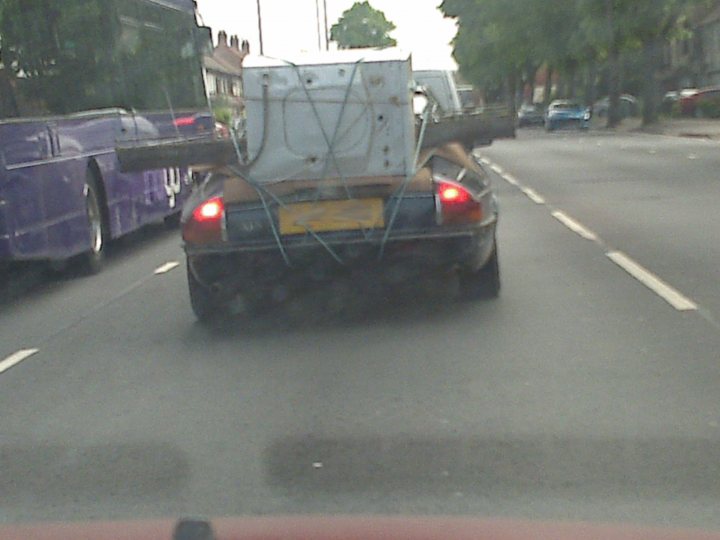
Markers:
<point>565,113</point>
<point>694,102</point>
<point>671,100</point>
<point>668,101</point>
<point>628,106</point>
<point>530,114</point>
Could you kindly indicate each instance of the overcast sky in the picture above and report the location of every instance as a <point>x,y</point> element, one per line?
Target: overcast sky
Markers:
<point>291,25</point>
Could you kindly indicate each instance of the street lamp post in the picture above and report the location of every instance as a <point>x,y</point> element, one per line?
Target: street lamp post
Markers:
<point>260,28</point>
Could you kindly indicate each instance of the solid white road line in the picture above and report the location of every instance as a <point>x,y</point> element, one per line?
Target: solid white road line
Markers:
<point>533,195</point>
<point>14,359</point>
<point>165,268</point>
<point>574,226</point>
<point>652,282</point>
<point>497,169</point>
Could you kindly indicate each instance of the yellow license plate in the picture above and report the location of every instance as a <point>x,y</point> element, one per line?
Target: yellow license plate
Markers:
<point>327,216</point>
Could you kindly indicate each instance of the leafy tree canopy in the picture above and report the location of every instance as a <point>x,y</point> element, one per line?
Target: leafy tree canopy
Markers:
<point>498,39</point>
<point>363,26</point>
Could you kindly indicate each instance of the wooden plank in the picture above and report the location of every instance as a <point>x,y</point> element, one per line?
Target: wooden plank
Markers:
<point>143,156</point>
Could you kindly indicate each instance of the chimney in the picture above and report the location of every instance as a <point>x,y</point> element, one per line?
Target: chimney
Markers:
<point>235,43</point>
<point>245,47</point>
<point>222,38</point>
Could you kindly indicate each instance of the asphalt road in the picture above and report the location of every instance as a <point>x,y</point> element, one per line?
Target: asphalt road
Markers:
<point>582,393</point>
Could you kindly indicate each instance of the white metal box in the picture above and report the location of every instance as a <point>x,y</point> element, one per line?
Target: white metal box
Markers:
<point>330,115</point>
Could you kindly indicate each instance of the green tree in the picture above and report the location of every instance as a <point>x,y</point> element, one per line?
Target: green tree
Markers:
<point>654,26</point>
<point>487,47</point>
<point>503,41</point>
<point>634,27</point>
<point>363,26</point>
<point>607,30</point>
<point>498,39</point>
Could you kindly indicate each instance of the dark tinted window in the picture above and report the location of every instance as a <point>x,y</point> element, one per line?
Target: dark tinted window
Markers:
<point>101,53</point>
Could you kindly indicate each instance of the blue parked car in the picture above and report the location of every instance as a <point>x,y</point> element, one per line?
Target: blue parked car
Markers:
<point>564,113</point>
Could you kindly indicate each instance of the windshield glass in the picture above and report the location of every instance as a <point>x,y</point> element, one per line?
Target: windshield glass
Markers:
<point>562,106</point>
<point>331,257</point>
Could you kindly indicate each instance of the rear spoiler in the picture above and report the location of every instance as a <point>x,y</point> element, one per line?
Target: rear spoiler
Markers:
<point>471,130</point>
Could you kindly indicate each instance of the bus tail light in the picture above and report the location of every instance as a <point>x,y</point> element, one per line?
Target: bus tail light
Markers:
<point>205,225</point>
<point>457,204</point>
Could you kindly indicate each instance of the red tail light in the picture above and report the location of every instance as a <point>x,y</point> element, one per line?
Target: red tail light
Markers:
<point>457,204</point>
<point>184,121</point>
<point>206,223</point>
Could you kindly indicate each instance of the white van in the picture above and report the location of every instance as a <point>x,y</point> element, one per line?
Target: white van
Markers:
<point>440,84</point>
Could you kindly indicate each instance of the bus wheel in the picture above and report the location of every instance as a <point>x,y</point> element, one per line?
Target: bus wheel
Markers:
<point>93,259</point>
<point>58,266</point>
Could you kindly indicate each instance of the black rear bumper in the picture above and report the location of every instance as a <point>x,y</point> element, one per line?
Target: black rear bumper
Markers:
<point>231,269</point>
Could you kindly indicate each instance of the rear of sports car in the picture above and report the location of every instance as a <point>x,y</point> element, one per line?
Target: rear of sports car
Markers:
<point>343,183</point>
<point>266,245</point>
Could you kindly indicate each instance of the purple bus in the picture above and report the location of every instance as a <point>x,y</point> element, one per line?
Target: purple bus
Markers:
<point>76,78</point>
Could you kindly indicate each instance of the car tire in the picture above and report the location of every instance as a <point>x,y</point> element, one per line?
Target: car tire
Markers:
<point>92,261</point>
<point>205,307</point>
<point>484,283</point>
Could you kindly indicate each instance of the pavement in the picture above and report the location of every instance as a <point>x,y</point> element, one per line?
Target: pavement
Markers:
<point>675,127</point>
<point>587,391</point>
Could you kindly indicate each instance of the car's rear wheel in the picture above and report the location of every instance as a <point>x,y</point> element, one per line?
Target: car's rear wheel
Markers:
<point>483,283</point>
<point>202,300</point>
<point>92,260</point>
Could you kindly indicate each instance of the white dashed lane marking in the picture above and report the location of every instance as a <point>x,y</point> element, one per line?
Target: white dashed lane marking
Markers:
<point>165,268</point>
<point>533,195</point>
<point>497,169</point>
<point>15,358</point>
<point>574,226</point>
<point>672,296</point>
<point>511,180</point>
<point>654,283</point>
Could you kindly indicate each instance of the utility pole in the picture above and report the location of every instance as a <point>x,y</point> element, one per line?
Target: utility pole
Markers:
<point>327,30</point>
<point>317,16</point>
<point>260,28</point>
